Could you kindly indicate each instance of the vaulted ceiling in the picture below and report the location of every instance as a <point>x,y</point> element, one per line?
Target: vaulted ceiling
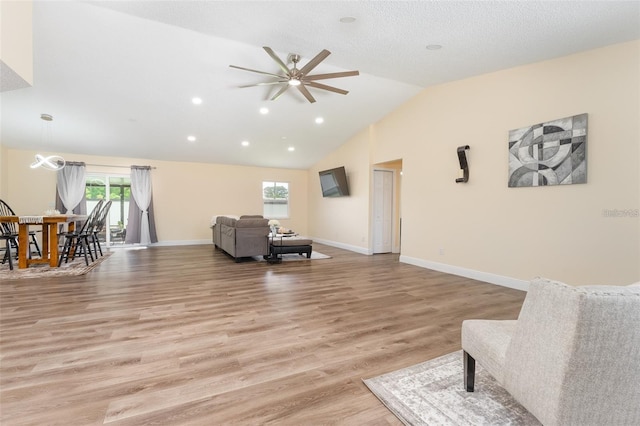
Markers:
<point>118,77</point>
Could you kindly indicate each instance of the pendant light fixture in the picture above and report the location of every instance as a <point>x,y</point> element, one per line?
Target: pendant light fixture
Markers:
<point>52,162</point>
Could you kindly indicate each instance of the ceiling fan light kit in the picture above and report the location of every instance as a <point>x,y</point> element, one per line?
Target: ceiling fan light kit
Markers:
<point>299,78</point>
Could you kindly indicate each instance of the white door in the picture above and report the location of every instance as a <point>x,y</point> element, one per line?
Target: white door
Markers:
<point>382,211</point>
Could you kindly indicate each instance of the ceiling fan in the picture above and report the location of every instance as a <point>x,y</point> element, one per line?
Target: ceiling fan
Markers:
<point>299,78</point>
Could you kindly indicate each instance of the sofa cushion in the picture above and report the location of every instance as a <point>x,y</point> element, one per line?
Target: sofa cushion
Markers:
<point>252,223</point>
<point>226,220</point>
<point>214,218</point>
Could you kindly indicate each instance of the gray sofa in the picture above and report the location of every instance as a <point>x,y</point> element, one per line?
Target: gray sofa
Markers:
<point>243,237</point>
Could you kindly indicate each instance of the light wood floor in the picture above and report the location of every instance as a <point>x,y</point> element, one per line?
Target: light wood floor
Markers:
<point>183,335</point>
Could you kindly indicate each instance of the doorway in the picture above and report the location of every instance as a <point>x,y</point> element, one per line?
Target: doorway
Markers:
<point>382,211</point>
<point>385,207</point>
<point>116,188</point>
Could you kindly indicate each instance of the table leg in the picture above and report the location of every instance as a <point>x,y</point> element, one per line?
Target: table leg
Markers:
<point>23,244</point>
<point>45,241</point>
<point>52,230</point>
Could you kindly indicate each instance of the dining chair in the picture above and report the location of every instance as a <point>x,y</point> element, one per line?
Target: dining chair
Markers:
<point>10,234</point>
<point>98,227</point>
<point>77,241</point>
<point>11,241</point>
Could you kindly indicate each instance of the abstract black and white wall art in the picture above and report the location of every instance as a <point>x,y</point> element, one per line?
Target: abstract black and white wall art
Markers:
<point>552,153</point>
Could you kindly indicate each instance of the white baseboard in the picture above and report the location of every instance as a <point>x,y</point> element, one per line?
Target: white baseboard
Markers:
<point>468,273</point>
<point>349,247</point>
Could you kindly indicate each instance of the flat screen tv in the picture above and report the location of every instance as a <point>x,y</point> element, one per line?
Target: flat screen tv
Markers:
<point>334,182</point>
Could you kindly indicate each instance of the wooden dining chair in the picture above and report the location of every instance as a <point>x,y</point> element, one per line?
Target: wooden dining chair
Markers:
<point>10,235</point>
<point>98,227</point>
<point>77,242</point>
<point>11,241</point>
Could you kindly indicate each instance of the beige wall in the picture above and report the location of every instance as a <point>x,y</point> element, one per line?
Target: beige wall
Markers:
<point>3,171</point>
<point>16,37</point>
<point>485,227</point>
<point>186,195</point>
<point>343,221</point>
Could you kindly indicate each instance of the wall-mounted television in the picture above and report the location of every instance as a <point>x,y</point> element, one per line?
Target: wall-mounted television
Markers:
<point>334,182</point>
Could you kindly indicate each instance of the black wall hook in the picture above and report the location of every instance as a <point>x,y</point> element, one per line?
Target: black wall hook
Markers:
<point>462,157</point>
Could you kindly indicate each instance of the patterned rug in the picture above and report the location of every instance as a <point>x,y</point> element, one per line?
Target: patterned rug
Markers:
<point>75,267</point>
<point>432,393</point>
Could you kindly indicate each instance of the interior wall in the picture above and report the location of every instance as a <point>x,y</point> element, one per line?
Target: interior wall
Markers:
<point>185,195</point>
<point>3,171</point>
<point>16,38</point>
<point>562,232</point>
<point>343,221</point>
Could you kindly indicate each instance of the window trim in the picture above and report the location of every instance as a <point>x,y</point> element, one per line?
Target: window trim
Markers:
<point>274,183</point>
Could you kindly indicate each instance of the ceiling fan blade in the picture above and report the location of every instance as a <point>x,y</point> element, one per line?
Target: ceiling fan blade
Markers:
<point>259,72</point>
<point>331,75</point>
<point>315,61</point>
<point>325,87</point>
<point>306,93</point>
<point>275,57</point>
<point>280,92</point>
<point>265,83</point>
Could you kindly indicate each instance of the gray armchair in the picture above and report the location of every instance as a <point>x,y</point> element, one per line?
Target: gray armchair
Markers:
<point>571,358</point>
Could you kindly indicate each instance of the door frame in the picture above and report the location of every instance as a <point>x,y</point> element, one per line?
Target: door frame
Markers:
<point>395,227</point>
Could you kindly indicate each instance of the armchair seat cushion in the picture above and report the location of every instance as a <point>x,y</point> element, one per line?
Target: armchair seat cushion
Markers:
<point>488,340</point>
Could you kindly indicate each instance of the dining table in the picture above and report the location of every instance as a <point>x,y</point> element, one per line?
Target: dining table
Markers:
<point>49,224</point>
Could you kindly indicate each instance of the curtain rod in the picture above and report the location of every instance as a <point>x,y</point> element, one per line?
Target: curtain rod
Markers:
<point>120,167</point>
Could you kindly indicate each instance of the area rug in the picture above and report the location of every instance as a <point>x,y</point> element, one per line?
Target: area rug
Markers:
<point>75,267</point>
<point>290,257</point>
<point>432,393</point>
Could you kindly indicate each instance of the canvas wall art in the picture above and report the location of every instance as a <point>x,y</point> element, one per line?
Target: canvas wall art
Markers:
<point>552,153</point>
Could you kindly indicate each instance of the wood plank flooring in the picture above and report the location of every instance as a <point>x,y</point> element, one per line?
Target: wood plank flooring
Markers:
<point>186,336</point>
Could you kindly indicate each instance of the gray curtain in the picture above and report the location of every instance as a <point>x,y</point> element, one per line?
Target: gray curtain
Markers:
<point>70,189</point>
<point>79,209</point>
<point>141,221</point>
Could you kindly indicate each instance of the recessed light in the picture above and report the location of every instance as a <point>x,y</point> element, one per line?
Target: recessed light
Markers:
<point>434,47</point>
<point>347,19</point>
<point>291,149</point>
<point>196,101</point>
<point>245,143</point>
<point>264,110</point>
<point>191,138</point>
<point>319,120</point>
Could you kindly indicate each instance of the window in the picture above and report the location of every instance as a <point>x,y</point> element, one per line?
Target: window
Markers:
<point>119,190</point>
<point>275,200</point>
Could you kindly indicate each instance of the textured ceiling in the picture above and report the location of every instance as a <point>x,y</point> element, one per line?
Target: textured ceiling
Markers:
<point>118,77</point>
